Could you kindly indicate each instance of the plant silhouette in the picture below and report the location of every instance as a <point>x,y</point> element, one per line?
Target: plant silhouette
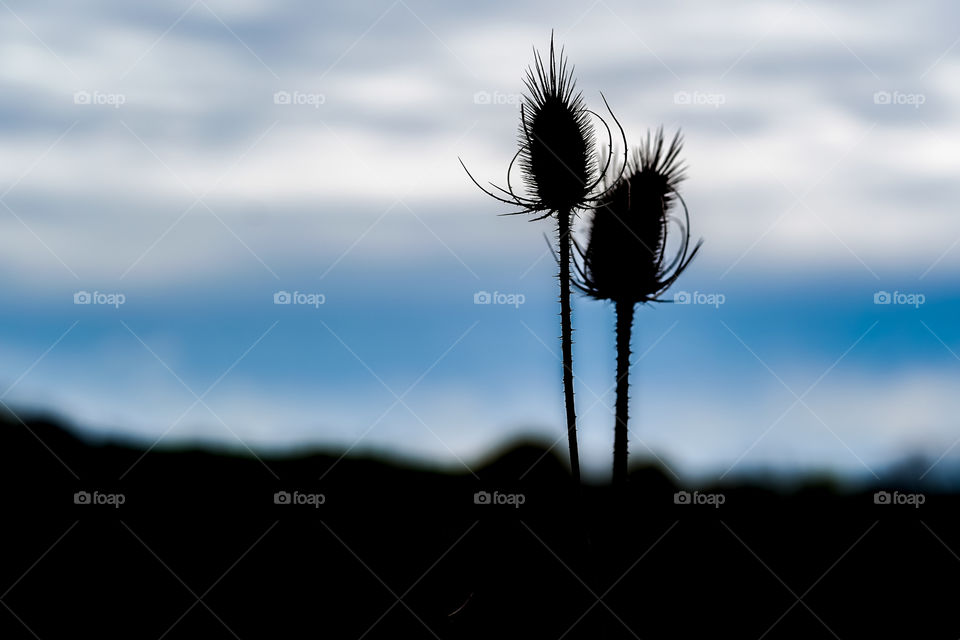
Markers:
<point>561,169</point>
<point>626,261</point>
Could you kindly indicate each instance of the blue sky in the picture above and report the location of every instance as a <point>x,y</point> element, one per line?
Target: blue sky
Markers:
<point>151,151</point>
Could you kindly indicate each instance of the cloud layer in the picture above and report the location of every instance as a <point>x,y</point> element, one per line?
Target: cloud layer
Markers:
<point>200,156</point>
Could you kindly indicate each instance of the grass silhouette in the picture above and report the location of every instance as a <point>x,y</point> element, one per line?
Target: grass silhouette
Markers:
<point>561,169</point>
<point>626,262</point>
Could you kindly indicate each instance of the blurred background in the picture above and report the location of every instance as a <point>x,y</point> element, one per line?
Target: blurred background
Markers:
<point>243,224</point>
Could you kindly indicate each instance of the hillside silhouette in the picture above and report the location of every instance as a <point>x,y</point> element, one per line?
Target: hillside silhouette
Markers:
<point>200,547</point>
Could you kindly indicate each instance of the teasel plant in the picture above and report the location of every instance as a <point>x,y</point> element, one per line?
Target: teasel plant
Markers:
<point>627,260</point>
<point>561,170</point>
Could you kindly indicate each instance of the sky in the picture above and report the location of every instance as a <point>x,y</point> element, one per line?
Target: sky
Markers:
<point>179,164</point>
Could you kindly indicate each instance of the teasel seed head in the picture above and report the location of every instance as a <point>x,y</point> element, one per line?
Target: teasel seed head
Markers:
<point>557,144</point>
<point>556,138</point>
<point>626,255</point>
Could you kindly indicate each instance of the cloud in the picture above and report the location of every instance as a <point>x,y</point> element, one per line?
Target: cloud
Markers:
<point>398,106</point>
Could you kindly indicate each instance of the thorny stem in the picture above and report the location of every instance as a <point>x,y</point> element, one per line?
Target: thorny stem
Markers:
<point>624,313</point>
<point>563,227</point>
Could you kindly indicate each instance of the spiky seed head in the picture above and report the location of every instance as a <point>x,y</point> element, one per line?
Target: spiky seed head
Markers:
<point>557,154</point>
<point>625,259</point>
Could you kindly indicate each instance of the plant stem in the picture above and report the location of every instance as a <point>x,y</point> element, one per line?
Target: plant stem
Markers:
<point>563,226</point>
<point>624,313</point>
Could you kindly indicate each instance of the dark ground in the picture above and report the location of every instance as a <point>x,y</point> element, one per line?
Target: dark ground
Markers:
<point>199,549</point>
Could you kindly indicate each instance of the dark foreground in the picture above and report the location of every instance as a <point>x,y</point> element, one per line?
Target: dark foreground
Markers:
<point>201,549</point>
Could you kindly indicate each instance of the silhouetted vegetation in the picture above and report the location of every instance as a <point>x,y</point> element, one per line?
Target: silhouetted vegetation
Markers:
<point>561,169</point>
<point>626,260</point>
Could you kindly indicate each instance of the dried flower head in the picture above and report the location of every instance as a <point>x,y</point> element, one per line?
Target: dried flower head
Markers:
<point>626,255</point>
<point>557,147</point>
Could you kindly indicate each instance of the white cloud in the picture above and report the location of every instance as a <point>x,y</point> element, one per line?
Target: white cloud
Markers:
<point>797,102</point>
